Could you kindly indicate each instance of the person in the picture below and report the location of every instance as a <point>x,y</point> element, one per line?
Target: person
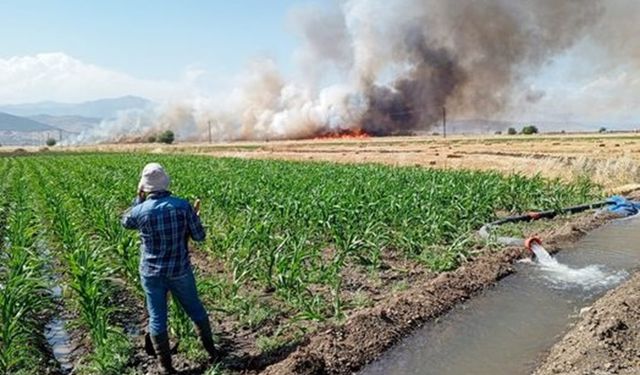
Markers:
<point>165,224</point>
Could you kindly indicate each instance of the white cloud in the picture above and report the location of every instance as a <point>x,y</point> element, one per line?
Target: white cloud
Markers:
<point>611,97</point>
<point>60,77</point>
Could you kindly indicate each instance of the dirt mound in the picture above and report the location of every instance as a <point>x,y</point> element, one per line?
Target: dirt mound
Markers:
<point>606,340</point>
<point>346,348</point>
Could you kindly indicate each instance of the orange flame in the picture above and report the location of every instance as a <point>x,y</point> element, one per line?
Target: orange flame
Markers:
<point>345,134</point>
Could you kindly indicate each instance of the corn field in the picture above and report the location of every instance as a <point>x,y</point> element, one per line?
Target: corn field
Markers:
<point>285,230</point>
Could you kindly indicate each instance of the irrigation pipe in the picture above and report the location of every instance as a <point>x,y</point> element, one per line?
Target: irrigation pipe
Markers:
<point>485,231</point>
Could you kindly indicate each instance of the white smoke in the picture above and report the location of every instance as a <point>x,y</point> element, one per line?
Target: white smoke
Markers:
<point>388,67</point>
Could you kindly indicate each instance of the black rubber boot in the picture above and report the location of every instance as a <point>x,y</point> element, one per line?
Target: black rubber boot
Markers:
<point>203,329</point>
<point>163,350</point>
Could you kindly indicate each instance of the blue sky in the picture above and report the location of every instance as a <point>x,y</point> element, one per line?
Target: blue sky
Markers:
<point>150,39</point>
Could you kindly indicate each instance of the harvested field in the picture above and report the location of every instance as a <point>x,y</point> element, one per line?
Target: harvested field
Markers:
<point>610,159</point>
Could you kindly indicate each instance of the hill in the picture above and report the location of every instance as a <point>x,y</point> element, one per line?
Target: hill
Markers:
<point>102,108</point>
<point>11,123</point>
<point>71,124</point>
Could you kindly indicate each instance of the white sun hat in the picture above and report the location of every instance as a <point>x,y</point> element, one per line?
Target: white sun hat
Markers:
<point>154,179</point>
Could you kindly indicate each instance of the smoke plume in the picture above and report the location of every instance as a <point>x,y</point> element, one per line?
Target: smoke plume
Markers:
<point>388,67</point>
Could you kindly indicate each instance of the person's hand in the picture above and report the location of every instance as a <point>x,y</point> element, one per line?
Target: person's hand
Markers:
<point>196,207</point>
<point>141,195</point>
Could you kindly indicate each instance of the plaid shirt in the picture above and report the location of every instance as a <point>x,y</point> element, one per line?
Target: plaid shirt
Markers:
<point>165,224</point>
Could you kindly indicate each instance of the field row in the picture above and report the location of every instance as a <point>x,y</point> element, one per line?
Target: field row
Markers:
<point>283,238</point>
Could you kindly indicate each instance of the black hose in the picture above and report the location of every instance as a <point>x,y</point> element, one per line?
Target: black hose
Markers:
<point>549,214</point>
<point>510,241</point>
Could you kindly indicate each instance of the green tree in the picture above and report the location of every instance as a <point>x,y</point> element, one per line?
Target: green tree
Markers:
<point>167,137</point>
<point>512,131</point>
<point>51,142</point>
<point>530,129</point>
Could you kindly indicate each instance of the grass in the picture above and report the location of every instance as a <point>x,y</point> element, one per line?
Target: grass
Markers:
<point>361,300</point>
<point>526,229</point>
<point>281,338</point>
<point>400,286</point>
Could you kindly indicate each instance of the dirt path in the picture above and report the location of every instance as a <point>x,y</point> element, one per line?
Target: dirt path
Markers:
<point>606,340</point>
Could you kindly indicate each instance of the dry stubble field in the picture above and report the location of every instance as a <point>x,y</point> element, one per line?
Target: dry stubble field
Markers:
<point>608,159</point>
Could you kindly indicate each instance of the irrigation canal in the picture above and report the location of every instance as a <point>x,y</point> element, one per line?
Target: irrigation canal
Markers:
<point>507,329</point>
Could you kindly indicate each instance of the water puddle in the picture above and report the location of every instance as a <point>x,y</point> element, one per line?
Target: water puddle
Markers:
<point>132,329</point>
<point>56,291</point>
<point>58,338</point>
<point>507,328</point>
<point>55,331</point>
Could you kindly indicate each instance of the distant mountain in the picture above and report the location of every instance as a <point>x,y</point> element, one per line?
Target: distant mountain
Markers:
<point>102,108</point>
<point>71,124</point>
<point>11,123</point>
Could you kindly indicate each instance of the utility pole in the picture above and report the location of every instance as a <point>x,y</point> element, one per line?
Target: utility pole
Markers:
<point>209,122</point>
<point>444,122</point>
<point>59,135</point>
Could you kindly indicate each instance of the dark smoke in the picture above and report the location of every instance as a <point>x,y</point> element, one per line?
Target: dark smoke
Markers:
<point>471,56</point>
<point>414,101</point>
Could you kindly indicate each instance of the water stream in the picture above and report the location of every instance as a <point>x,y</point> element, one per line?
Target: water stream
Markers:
<point>507,328</point>
<point>58,338</point>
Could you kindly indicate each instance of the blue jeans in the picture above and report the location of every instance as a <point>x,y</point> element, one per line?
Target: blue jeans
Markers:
<point>183,289</point>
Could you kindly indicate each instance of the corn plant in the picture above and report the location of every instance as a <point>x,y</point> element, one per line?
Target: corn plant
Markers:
<point>293,228</point>
<point>87,276</point>
<point>24,294</point>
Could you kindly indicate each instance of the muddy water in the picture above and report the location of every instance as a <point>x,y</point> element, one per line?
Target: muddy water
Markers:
<point>507,329</point>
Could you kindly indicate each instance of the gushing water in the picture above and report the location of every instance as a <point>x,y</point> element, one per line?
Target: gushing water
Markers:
<point>562,276</point>
<point>542,255</point>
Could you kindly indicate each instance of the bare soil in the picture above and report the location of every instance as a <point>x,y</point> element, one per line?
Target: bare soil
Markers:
<point>238,343</point>
<point>606,340</point>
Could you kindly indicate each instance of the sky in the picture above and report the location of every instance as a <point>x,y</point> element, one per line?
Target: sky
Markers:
<point>153,43</point>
